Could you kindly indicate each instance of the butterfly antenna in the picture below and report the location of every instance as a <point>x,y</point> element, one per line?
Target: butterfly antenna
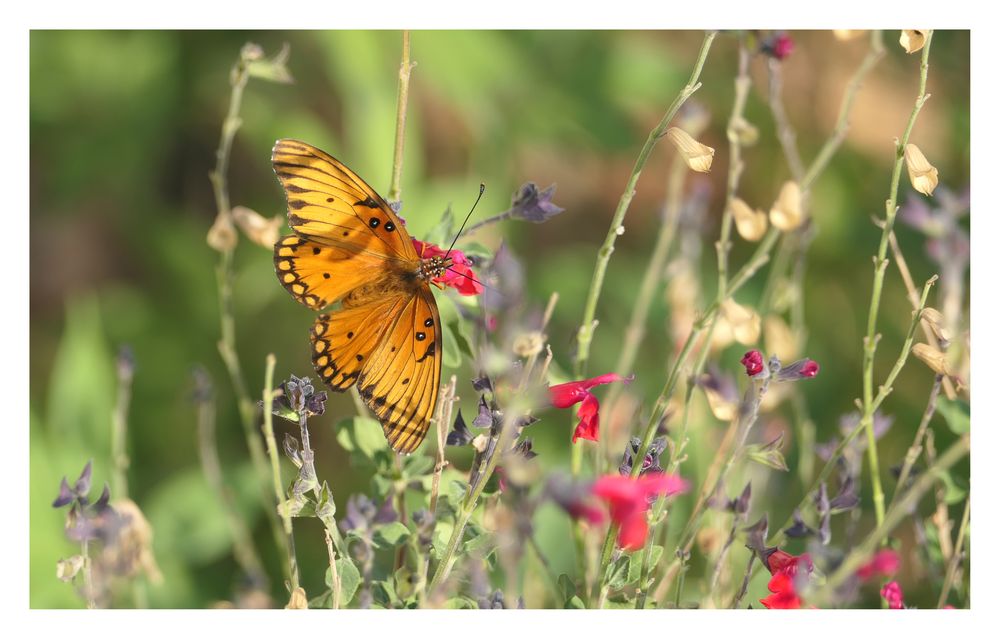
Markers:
<point>482,188</point>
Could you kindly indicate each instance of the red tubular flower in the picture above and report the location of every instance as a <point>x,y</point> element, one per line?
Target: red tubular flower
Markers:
<point>754,362</point>
<point>628,500</point>
<point>565,395</point>
<point>884,563</point>
<point>893,594</point>
<point>784,596</point>
<point>784,567</point>
<point>459,275</point>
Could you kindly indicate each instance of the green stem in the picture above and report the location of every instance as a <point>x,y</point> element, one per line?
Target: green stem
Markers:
<point>884,391</point>
<point>402,97</point>
<point>913,453</point>
<point>225,275</point>
<point>292,569</point>
<point>119,430</point>
<point>821,594</point>
<point>586,332</point>
<point>871,339</point>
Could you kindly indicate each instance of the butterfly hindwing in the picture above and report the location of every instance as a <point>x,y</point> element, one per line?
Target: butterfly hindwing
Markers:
<point>400,382</point>
<point>343,341</point>
<point>329,203</point>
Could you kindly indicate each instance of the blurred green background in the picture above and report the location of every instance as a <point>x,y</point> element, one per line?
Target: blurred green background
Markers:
<point>124,127</point>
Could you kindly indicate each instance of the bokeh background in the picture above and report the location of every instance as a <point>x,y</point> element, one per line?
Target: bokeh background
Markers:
<point>124,126</point>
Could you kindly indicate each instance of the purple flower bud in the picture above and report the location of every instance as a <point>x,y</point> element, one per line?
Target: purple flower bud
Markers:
<point>530,204</point>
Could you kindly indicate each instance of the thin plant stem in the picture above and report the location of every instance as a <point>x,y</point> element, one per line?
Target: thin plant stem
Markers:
<point>914,296</point>
<point>956,555</point>
<point>913,453</point>
<point>746,582</point>
<point>292,569</point>
<point>402,97</point>
<point>88,575</point>
<point>585,334</point>
<point>335,585</point>
<point>550,576</point>
<point>507,430</point>
<point>871,340</point>
<point>119,430</point>
<point>783,127</point>
<point>239,77</point>
<point>821,594</point>
<point>441,419</point>
<point>243,547</point>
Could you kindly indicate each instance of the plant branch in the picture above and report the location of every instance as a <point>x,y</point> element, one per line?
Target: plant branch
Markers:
<point>871,340</point>
<point>956,555</point>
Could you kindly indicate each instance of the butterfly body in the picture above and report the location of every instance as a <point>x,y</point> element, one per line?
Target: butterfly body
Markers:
<point>349,248</point>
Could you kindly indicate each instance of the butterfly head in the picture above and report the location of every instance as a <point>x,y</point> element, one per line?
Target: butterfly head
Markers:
<point>434,267</point>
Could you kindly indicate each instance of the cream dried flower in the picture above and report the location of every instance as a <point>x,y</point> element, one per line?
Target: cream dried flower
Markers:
<point>923,176</point>
<point>913,40</point>
<point>697,155</point>
<point>786,213</point>
<point>261,230</point>
<point>751,224</point>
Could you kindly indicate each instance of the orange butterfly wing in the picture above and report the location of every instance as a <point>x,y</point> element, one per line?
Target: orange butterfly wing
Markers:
<point>350,247</point>
<point>330,204</point>
<point>400,382</point>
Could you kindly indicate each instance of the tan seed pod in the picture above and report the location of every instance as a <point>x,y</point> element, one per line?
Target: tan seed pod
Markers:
<point>935,359</point>
<point>259,229</point>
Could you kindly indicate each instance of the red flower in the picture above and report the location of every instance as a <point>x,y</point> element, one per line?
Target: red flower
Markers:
<point>892,593</point>
<point>784,597</point>
<point>565,395</point>
<point>754,362</point>
<point>628,500</point>
<point>784,567</point>
<point>459,275</point>
<point>885,563</point>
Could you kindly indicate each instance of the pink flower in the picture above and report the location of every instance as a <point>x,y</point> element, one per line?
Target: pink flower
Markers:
<point>570,393</point>
<point>783,46</point>
<point>892,593</point>
<point>628,500</point>
<point>459,275</point>
<point>754,362</point>
<point>884,563</point>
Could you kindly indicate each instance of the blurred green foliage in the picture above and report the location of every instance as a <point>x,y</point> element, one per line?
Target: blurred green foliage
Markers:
<point>124,127</point>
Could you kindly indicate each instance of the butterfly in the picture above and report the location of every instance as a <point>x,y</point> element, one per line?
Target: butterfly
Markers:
<point>348,246</point>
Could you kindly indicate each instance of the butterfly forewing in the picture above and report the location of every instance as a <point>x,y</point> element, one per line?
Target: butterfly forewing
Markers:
<point>330,203</point>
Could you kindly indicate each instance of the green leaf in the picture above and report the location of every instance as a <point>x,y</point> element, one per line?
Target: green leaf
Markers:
<point>575,602</point>
<point>955,413</point>
<point>566,586</point>
<point>635,562</point>
<point>461,603</point>
<point>617,572</point>
<point>953,492</point>
<point>415,466</point>
<point>391,534</point>
<point>350,579</point>
<point>360,435</point>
